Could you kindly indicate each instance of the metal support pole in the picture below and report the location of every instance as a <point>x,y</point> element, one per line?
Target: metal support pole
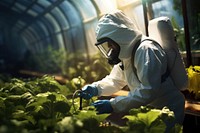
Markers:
<point>145,16</point>
<point>187,34</point>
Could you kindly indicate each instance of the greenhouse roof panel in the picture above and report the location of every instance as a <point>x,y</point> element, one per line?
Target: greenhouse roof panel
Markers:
<point>70,13</point>
<point>44,3</point>
<point>86,9</point>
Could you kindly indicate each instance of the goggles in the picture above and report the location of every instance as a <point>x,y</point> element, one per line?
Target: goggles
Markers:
<point>105,47</point>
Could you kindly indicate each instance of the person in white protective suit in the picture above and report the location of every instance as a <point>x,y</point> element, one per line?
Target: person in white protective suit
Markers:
<point>116,37</point>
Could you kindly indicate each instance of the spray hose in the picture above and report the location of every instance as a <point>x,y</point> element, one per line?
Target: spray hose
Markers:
<point>78,92</point>
<point>73,97</point>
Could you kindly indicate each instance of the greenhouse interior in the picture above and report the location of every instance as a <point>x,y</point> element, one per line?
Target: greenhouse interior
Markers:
<point>48,55</point>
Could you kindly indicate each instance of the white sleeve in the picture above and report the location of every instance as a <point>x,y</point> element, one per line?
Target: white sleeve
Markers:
<point>149,64</point>
<point>112,82</point>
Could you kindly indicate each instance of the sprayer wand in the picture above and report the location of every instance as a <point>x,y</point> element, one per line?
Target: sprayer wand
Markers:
<point>81,101</point>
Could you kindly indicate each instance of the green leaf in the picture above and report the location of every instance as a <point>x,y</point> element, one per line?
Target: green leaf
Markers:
<point>131,118</point>
<point>2,104</point>
<point>157,126</point>
<point>19,123</point>
<point>61,107</point>
<point>22,115</point>
<point>149,120</point>
<point>91,114</point>
<point>148,117</point>
<point>51,97</point>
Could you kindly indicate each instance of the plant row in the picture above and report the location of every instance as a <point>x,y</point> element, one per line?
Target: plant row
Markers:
<point>43,105</point>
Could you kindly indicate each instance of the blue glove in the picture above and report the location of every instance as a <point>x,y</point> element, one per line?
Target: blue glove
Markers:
<point>89,91</point>
<point>103,106</point>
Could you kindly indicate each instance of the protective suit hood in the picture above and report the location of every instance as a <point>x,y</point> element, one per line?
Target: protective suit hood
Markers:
<point>120,29</point>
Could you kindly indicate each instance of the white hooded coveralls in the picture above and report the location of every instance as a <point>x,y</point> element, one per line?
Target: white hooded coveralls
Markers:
<point>150,62</point>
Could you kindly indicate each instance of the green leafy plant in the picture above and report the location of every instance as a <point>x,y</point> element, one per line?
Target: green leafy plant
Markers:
<point>179,34</point>
<point>69,65</point>
<point>42,105</point>
<point>148,120</point>
<point>194,79</point>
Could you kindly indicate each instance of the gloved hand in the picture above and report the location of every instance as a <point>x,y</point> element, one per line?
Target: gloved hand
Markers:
<point>103,106</point>
<point>89,91</point>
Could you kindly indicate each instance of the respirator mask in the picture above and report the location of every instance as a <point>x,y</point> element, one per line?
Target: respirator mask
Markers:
<point>110,50</point>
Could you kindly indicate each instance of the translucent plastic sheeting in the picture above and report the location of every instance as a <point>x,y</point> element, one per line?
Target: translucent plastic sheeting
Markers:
<point>60,18</point>
<point>26,37</point>
<point>32,12</point>
<point>37,8</point>
<point>124,3</point>
<point>74,36</point>
<point>34,33</point>
<point>57,29</point>
<point>39,30</point>
<point>135,13</point>
<point>47,24</point>
<point>91,40</point>
<point>86,8</point>
<point>60,41</point>
<point>43,27</point>
<point>106,6</point>
<point>44,3</point>
<point>53,22</point>
<point>19,25</point>
<point>131,8</point>
<point>89,19</point>
<point>19,7</point>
